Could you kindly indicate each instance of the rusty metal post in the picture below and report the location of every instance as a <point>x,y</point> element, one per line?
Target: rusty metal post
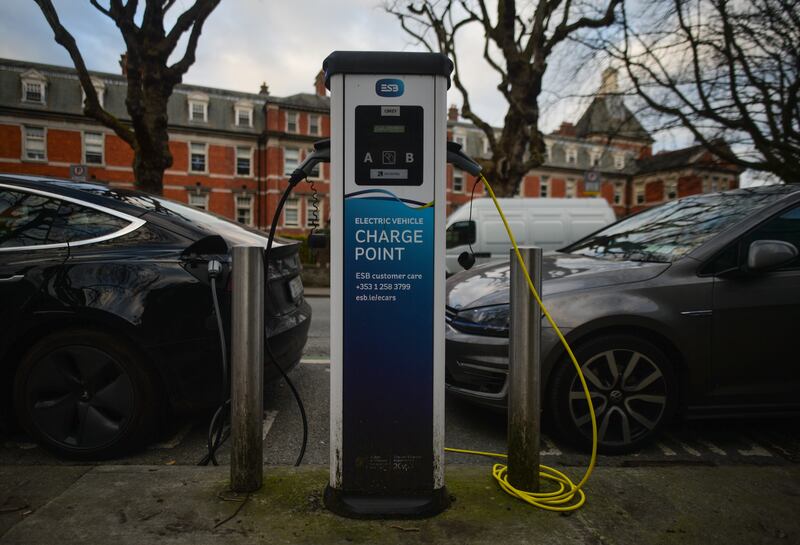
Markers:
<point>524,358</point>
<point>247,364</point>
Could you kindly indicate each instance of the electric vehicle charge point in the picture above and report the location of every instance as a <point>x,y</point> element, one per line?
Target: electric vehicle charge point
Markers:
<point>388,160</point>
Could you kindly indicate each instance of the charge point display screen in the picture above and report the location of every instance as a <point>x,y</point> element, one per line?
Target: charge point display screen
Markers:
<point>388,145</point>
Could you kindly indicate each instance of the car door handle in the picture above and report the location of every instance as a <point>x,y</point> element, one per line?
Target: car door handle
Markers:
<point>15,278</point>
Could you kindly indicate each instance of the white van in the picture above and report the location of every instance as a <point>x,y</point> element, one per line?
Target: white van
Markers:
<point>547,223</point>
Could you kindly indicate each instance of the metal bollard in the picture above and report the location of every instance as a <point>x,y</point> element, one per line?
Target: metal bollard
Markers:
<point>247,364</point>
<point>524,358</point>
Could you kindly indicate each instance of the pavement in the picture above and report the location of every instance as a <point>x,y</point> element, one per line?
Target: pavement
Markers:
<point>189,505</point>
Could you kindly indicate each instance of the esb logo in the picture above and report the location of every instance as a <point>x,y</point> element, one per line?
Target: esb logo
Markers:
<point>389,87</point>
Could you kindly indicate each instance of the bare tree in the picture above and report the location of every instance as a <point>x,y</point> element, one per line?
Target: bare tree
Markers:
<point>727,71</point>
<point>517,46</point>
<point>151,79</point>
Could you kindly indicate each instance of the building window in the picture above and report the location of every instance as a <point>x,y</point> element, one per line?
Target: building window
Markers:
<point>291,121</point>
<point>291,213</point>
<point>313,214</point>
<point>99,89</point>
<point>639,193</point>
<point>487,146</point>
<point>35,147</point>
<point>244,117</point>
<point>33,87</point>
<point>571,188</point>
<point>459,139</point>
<point>199,200</point>
<point>198,111</point>
<point>313,124</point>
<point>243,160</point>
<point>670,190</point>
<point>572,155</point>
<point>595,157</point>
<point>619,161</point>
<point>548,151</point>
<point>544,187</point>
<point>198,157</point>
<point>619,193</point>
<point>93,148</point>
<point>458,181</point>
<point>291,159</point>
<point>244,209</point>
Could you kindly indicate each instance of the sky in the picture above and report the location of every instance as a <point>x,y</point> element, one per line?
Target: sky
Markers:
<point>280,42</point>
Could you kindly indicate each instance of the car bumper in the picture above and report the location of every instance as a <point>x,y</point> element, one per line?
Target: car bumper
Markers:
<point>476,366</point>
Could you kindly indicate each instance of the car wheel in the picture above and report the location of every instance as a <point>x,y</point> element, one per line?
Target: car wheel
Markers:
<point>85,395</point>
<point>633,391</point>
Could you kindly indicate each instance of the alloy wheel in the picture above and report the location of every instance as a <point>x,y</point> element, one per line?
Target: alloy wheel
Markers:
<point>629,395</point>
<point>80,397</point>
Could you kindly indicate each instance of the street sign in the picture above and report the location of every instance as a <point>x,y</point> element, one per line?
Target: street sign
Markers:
<point>78,172</point>
<point>591,183</point>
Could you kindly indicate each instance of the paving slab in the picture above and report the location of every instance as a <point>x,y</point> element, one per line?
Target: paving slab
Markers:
<point>184,504</point>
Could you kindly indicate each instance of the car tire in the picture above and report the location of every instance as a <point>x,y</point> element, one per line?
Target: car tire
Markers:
<point>85,395</point>
<point>634,393</point>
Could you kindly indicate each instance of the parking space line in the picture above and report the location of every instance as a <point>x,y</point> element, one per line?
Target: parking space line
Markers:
<point>684,446</point>
<point>552,449</point>
<point>665,450</point>
<point>315,361</point>
<point>712,447</point>
<point>173,441</point>
<point>755,450</point>
<point>269,420</point>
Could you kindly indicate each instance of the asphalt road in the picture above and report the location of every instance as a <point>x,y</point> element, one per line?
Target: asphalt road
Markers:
<point>759,442</point>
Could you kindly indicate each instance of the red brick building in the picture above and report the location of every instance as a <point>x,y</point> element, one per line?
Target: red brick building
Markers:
<point>233,151</point>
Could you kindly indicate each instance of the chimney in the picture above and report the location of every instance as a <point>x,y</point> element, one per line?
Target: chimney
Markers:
<point>608,84</point>
<point>452,113</point>
<point>566,129</point>
<point>319,84</point>
<point>123,63</point>
<point>264,89</point>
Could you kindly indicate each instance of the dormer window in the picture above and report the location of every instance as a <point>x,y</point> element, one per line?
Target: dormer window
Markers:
<point>99,89</point>
<point>571,155</point>
<point>595,157</point>
<point>619,161</point>
<point>198,107</point>
<point>33,87</point>
<point>244,113</point>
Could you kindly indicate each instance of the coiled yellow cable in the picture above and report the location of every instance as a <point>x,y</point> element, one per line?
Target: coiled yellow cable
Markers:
<point>568,496</point>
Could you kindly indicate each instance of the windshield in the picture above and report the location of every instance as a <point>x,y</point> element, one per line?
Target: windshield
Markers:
<point>667,232</point>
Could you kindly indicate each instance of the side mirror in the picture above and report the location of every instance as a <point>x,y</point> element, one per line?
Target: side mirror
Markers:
<point>460,233</point>
<point>763,255</point>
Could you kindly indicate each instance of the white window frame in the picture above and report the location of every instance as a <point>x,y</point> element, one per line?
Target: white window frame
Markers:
<point>198,99</point>
<point>198,195</point>
<point>249,151</point>
<point>99,89</point>
<point>86,147</point>
<point>670,186</point>
<point>205,157</point>
<point>243,107</point>
<point>619,161</point>
<point>292,206</point>
<point>237,207</point>
<point>571,188</point>
<point>544,183</point>
<point>639,192</point>
<point>595,156</point>
<point>619,193</point>
<point>458,173</point>
<point>288,171</point>
<point>296,117</point>
<point>318,131</point>
<point>571,152</point>
<point>33,77</point>
<point>548,151</point>
<point>25,136</point>
<point>310,212</point>
<point>460,139</point>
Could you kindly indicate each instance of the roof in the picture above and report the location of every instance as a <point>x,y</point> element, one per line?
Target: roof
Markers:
<point>607,115</point>
<point>680,158</point>
<point>304,100</point>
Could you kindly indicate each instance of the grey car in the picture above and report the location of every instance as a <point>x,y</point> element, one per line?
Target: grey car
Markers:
<point>688,307</point>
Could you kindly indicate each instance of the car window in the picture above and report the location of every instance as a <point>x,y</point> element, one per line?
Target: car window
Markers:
<point>75,223</point>
<point>785,227</point>
<point>667,232</point>
<point>25,218</point>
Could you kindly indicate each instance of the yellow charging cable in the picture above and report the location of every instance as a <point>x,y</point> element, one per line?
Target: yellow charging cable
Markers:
<point>568,496</point>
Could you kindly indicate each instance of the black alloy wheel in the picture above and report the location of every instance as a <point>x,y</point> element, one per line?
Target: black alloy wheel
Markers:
<point>633,391</point>
<point>84,395</point>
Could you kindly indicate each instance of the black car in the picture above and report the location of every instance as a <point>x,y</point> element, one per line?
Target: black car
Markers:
<point>691,306</point>
<point>106,313</point>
